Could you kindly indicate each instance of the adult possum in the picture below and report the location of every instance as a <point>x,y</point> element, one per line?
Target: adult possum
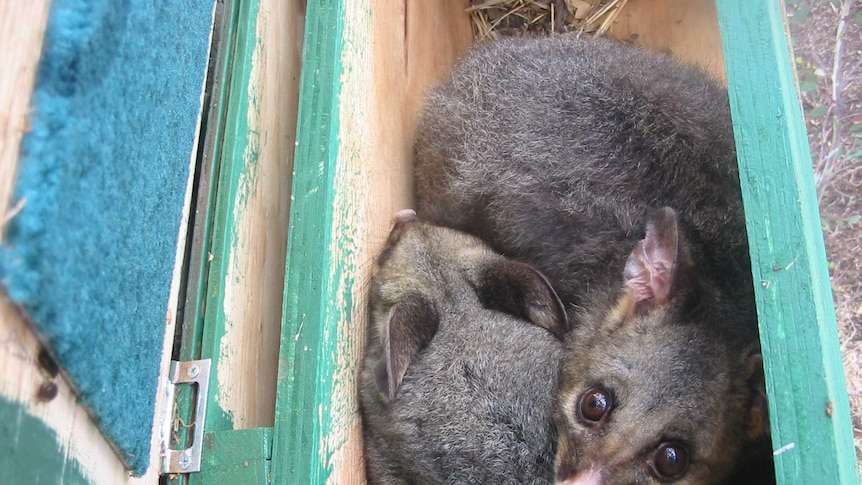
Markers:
<point>612,170</point>
<point>462,363</point>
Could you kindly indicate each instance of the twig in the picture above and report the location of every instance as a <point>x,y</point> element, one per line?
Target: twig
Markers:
<point>611,18</point>
<point>828,166</point>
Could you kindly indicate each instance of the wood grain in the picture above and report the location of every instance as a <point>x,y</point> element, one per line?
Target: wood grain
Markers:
<point>22,28</point>
<point>687,29</point>
<point>79,443</point>
<point>253,276</point>
<point>365,70</point>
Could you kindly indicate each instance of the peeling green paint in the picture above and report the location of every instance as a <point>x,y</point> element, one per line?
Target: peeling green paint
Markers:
<point>314,283</point>
<point>30,452</point>
<point>237,162</point>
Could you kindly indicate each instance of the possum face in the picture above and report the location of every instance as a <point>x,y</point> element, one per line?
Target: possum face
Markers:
<point>651,392</point>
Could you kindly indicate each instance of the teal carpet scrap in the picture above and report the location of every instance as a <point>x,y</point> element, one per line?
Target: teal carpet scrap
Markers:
<point>103,176</point>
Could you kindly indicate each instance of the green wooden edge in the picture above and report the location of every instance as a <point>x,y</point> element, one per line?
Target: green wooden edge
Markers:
<point>207,193</point>
<point>192,324</point>
<point>30,451</point>
<point>307,357</point>
<point>808,403</point>
<point>226,140</point>
<point>236,457</point>
<point>235,145</point>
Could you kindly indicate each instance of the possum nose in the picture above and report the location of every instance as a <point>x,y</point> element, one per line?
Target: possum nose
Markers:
<point>589,477</point>
<point>404,215</point>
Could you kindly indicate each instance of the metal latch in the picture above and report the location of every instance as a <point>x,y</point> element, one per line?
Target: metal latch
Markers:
<point>187,460</point>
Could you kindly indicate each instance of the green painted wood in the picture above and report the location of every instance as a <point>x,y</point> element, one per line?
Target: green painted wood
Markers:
<point>233,141</point>
<point>237,456</point>
<point>204,199</point>
<point>808,403</point>
<point>309,346</point>
<point>30,452</point>
<point>205,192</point>
<point>229,456</point>
<point>204,216</point>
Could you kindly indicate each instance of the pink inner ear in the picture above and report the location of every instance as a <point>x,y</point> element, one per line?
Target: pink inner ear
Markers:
<point>637,276</point>
<point>649,270</point>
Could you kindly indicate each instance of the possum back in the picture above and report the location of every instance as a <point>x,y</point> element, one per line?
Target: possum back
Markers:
<point>554,150</point>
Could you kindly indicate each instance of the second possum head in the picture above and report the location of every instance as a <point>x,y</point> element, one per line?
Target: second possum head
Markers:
<point>462,363</point>
<point>650,396</point>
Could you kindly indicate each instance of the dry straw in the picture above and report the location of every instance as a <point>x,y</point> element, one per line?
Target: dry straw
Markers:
<point>493,18</point>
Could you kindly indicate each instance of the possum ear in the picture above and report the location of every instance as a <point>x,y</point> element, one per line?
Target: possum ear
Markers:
<point>521,290</point>
<point>759,413</point>
<point>410,326</point>
<point>657,262</point>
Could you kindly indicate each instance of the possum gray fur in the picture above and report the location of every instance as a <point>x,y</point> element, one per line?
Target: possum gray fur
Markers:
<point>458,382</point>
<point>612,170</point>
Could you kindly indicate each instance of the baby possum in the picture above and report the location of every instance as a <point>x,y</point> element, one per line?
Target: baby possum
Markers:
<point>462,363</point>
<point>612,170</point>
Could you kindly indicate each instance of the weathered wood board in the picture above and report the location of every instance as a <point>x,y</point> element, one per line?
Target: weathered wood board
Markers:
<point>366,66</point>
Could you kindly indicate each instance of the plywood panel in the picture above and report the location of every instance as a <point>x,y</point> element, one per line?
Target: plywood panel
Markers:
<point>688,29</point>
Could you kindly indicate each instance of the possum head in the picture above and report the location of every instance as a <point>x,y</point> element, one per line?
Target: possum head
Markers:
<point>652,391</point>
<point>460,375</point>
<point>422,267</point>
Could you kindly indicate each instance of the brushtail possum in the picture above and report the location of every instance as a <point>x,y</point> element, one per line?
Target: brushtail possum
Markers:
<point>462,362</point>
<point>612,170</point>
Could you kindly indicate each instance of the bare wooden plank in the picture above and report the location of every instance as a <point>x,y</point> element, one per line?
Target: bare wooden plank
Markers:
<point>365,72</point>
<point>808,405</point>
<point>688,29</point>
<point>22,28</point>
<point>261,144</point>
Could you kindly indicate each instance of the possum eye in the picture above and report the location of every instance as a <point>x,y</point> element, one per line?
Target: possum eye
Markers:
<point>670,460</point>
<point>595,404</point>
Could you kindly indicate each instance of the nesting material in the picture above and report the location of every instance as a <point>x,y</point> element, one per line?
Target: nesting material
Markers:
<point>494,18</point>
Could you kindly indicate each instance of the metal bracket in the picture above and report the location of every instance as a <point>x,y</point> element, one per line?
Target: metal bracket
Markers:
<point>187,460</point>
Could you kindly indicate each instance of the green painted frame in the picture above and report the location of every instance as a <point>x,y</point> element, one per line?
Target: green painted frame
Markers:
<point>202,326</point>
<point>809,407</point>
<point>230,163</point>
<point>309,329</point>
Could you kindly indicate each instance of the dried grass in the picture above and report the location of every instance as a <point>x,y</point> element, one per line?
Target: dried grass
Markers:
<point>494,18</point>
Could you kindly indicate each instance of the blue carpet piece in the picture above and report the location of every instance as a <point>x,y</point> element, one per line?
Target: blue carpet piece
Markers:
<point>103,173</point>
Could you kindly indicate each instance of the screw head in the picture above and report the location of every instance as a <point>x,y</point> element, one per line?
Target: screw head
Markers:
<point>193,371</point>
<point>185,461</point>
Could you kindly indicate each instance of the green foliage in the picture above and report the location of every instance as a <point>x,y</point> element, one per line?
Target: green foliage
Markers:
<point>818,111</point>
<point>808,82</point>
<point>803,10</point>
